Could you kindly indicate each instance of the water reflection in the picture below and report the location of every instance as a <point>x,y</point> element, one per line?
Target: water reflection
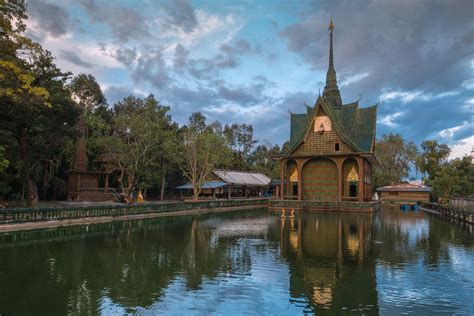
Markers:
<point>252,262</point>
<point>330,262</point>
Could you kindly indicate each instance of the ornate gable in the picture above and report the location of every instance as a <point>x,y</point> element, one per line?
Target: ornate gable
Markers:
<point>321,134</point>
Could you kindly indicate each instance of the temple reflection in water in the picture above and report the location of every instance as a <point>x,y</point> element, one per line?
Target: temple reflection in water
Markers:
<point>249,262</point>
<point>328,259</point>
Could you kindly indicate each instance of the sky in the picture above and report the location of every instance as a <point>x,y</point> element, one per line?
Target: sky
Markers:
<point>255,61</point>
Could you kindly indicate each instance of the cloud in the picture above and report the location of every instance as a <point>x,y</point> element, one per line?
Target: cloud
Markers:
<point>118,93</point>
<point>403,45</point>
<point>125,23</point>
<point>54,19</point>
<point>180,13</point>
<point>462,148</point>
<point>75,59</point>
<point>126,56</point>
<point>414,57</point>
<point>151,68</point>
<point>181,55</point>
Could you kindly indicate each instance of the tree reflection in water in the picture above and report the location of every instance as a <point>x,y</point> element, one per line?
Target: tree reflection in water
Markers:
<point>250,262</point>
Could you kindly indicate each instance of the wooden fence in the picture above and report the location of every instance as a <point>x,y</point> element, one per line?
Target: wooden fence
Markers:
<point>451,212</point>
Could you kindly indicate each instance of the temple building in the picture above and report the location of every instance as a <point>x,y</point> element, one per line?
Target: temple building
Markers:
<point>331,152</point>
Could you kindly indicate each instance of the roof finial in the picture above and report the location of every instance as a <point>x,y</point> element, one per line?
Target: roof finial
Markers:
<point>331,25</point>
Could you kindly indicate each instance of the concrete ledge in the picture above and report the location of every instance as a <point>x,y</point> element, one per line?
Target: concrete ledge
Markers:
<point>26,226</point>
<point>344,206</point>
<point>33,218</point>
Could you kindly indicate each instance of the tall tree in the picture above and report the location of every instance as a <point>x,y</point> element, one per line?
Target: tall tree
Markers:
<point>204,150</point>
<point>432,158</point>
<point>35,108</point>
<point>138,142</point>
<point>86,92</point>
<point>396,156</point>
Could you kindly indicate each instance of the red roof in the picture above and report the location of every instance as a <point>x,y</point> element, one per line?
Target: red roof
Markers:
<point>405,187</point>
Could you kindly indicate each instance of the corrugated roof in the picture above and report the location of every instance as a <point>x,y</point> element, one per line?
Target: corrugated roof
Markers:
<point>404,187</point>
<point>242,177</point>
<point>206,185</point>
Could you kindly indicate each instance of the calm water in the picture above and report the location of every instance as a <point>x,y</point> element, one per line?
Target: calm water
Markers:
<point>251,262</point>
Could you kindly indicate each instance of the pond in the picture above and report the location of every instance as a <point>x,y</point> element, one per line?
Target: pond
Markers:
<point>243,263</point>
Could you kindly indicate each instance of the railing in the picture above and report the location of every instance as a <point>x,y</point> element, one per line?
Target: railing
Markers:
<point>449,211</point>
<point>15,215</point>
<point>110,192</point>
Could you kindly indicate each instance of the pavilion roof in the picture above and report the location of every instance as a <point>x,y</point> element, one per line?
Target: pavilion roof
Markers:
<point>243,177</point>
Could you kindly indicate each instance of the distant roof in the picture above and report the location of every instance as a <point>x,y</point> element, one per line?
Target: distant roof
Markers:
<point>405,187</point>
<point>242,177</point>
<point>206,185</point>
<point>275,182</point>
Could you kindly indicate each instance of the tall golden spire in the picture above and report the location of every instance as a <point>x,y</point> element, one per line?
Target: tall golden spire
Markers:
<point>331,90</point>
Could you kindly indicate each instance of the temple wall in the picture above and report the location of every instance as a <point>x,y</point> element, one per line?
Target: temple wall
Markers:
<point>316,144</point>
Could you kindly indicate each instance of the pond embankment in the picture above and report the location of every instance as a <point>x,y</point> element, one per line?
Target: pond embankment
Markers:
<point>18,219</point>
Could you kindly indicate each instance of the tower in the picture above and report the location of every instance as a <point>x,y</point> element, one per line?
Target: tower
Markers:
<point>331,90</point>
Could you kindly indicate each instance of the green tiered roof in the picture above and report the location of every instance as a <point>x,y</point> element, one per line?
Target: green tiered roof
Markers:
<point>355,126</point>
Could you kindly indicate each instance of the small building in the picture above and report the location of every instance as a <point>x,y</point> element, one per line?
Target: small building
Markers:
<point>230,183</point>
<point>404,193</point>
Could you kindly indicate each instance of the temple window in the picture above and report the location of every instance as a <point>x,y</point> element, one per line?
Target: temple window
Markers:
<point>336,147</point>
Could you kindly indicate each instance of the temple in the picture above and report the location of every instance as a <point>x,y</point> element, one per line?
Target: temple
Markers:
<point>331,150</point>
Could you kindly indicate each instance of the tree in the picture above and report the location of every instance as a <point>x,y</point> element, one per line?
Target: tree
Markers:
<point>39,117</point>
<point>137,143</point>
<point>3,165</point>
<point>36,113</point>
<point>396,156</point>
<point>262,160</point>
<point>433,156</point>
<point>204,150</point>
<point>454,178</point>
<point>86,92</point>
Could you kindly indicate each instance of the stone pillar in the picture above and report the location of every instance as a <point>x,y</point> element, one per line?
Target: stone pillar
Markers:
<point>299,168</point>
<point>360,195</point>
<point>340,179</point>
<point>282,178</point>
<point>229,193</point>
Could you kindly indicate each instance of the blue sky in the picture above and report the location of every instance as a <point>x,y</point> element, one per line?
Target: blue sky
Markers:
<point>254,61</point>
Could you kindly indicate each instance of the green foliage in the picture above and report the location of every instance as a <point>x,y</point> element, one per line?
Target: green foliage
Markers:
<point>3,166</point>
<point>262,160</point>
<point>454,179</point>
<point>86,92</point>
<point>204,150</point>
<point>395,155</point>
<point>432,158</point>
<point>139,140</point>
